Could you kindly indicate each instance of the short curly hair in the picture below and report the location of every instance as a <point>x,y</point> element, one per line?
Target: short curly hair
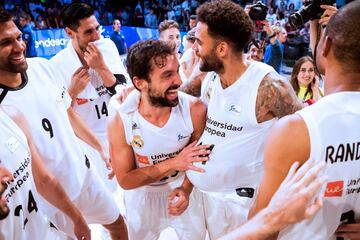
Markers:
<point>228,21</point>
<point>142,54</point>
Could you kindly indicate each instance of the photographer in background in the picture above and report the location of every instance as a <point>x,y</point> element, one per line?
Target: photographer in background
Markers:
<point>318,25</point>
<point>274,51</point>
<point>318,12</point>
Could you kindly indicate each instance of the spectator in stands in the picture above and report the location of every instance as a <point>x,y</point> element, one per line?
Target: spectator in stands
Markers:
<point>28,35</point>
<point>281,6</point>
<point>187,15</point>
<point>280,19</point>
<point>138,18</point>
<point>171,14</point>
<point>291,10</point>
<point>305,81</point>
<point>256,50</point>
<point>138,7</point>
<point>118,38</point>
<point>169,31</point>
<point>40,23</point>
<point>192,21</point>
<point>125,16</point>
<point>151,19</point>
<point>271,16</point>
<point>274,52</point>
<point>16,12</point>
<point>53,16</point>
<point>108,17</point>
<point>186,4</point>
<point>305,33</point>
<point>297,4</point>
<point>147,8</point>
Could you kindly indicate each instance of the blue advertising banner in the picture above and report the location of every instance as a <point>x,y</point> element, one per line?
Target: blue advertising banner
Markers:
<point>48,42</point>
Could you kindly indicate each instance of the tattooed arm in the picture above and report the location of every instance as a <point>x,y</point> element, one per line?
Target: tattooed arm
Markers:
<point>275,98</point>
<point>193,87</point>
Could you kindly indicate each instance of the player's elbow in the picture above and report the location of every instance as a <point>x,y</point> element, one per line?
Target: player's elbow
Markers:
<point>44,181</point>
<point>125,183</point>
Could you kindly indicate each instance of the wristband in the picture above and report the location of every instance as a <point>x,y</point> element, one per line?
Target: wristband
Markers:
<point>272,35</point>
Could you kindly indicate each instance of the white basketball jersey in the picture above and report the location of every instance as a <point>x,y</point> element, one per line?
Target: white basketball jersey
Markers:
<point>24,221</point>
<point>152,144</point>
<point>236,160</point>
<point>92,103</point>
<point>45,107</point>
<point>334,129</point>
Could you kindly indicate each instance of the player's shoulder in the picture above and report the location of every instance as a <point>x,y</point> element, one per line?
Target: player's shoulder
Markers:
<point>40,68</point>
<point>14,114</point>
<point>288,139</point>
<point>40,61</point>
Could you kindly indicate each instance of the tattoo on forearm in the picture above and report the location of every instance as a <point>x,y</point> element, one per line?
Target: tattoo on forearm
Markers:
<point>275,97</point>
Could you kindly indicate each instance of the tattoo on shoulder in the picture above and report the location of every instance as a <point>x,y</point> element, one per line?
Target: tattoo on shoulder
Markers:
<point>275,97</point>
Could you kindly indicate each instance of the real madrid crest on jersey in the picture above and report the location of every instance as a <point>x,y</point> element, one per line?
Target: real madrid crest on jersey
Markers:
<point>137,142</point>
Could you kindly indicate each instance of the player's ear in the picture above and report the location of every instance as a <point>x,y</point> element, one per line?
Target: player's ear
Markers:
<point>222,49</point>
<point>140,83</point>
<point>69,32</point>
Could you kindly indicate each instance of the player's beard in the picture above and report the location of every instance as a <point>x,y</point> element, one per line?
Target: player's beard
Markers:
<point>159,100</point>
<point>81,45</point>
<point>14,67</point>
<point>211,63</point>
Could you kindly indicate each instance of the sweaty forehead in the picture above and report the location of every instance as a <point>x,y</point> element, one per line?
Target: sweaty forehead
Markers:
<point>88,23</point>
<point>202,31</point>
<point>9,30</point>
<point>165,63</point>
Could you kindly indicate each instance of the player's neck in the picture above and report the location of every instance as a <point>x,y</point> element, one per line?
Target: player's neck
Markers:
<point>233,70</point>
<point>79,53</point>
<point>11,80</point>
<point>341,81</point>
<point>158,116</point>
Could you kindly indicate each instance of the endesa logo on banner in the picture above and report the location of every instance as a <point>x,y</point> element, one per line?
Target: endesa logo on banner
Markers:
<point>50,41</point>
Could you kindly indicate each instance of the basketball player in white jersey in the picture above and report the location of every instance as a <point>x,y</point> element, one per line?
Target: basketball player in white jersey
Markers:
<point>328,132</point>
<point>148,139</point>
<point>30,89</point>
<point>90,68</point>
<point>19,155</point>
<point>244,99</point>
